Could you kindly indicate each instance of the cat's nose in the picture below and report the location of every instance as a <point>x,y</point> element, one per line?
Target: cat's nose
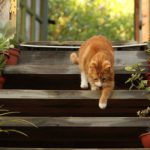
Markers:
<point>98,83</point>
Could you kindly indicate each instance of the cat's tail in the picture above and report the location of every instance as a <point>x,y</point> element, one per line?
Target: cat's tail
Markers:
<point>74,58</point>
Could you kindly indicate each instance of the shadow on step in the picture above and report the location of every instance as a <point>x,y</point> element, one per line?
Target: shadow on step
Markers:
<point>53,82</point>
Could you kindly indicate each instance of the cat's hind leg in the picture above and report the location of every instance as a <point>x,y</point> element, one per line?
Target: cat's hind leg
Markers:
<point>84,81</point>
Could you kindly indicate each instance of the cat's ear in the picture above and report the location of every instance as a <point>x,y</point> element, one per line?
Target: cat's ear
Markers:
<point>106,66</point>
<point>92,67</point>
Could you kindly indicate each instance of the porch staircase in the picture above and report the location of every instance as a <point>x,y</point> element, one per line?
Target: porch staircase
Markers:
<point>45,88</point>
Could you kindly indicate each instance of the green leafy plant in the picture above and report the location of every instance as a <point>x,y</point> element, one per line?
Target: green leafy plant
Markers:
<point>137,80</point>
<point>6,36</point>
<point>81,19</point>
<point>3,121</point>
<point>2,63</point>
<point>144,112</point>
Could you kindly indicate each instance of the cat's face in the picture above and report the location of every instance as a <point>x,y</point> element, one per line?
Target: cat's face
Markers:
<point>99,74</point>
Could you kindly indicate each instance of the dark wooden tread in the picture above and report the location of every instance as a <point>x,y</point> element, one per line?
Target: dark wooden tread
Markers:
<point>54,69</point>
<point>74,149</point>
<point>77,122</point>
<point>54,103</point>
<point>71,94</point>
<point>54,62</point>
<point>75,132</point>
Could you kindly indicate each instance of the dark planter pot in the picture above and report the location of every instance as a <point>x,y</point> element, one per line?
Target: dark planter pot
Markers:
<point>14,55</point>
<point>2,81</point>
<point>145,139</point>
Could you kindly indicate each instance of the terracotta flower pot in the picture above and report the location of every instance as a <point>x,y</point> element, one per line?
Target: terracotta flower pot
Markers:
<point>2,81</point>
<point>14,55</point>
<point>145,139</point>
<point>148,63</point>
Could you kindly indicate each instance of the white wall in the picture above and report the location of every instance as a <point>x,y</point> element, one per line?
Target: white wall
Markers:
<point>4,12</point>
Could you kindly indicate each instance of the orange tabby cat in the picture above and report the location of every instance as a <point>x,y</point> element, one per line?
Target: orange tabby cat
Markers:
<point>96,63</point>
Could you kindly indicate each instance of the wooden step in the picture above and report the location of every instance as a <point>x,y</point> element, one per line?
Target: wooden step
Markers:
<point>57,62</point>
<point>77,122</point>
<point>53,70</point>
<point>72,102</point>
<point>75,132</point>
<point>74,149</point>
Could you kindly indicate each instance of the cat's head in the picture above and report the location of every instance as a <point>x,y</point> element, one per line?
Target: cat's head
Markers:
<point>100,72</point>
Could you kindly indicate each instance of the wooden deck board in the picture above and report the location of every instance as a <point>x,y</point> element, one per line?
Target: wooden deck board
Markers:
<point>62,57</point>
<point>77,122</point>
<point>76,103</point>
<point>74,149</point>
<point>57,62</point>
<point>71,94</point>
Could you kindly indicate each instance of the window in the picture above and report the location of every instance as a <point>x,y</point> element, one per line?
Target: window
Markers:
<point>32,24</point>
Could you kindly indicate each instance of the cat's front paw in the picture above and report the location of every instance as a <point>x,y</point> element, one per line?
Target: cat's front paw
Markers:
<point>84,85</point>
<point>102,105</point>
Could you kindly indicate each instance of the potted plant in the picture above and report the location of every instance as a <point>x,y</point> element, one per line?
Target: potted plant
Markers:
<point>8,44</point>
<point>140,81</point>
<point>145,137</point>
<point>4,45</point>
<point>13,51</point>
<point>2,64</point>
<point>8,54</point>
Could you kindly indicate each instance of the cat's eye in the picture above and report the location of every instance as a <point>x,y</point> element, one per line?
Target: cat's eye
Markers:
<point>95,79</point>
<point>104,79</point>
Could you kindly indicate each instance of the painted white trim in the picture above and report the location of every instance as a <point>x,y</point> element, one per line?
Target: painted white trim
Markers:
<point>70,47</point>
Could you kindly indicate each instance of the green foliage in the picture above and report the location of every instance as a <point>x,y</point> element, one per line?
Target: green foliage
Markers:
<point>4,43</point>
<point>144,113</point>
<point>148,48</point>
<point>6,35</point>
<point>136,80</point>
<point>2,62</point>
<point>3,121</point>
<point>81,19</point>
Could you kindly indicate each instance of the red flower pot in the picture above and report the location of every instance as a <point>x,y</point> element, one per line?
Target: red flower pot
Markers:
<point>148,63</point>
<point>14,55</point>
<point>2,81</point>
<point>145,139</point>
